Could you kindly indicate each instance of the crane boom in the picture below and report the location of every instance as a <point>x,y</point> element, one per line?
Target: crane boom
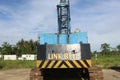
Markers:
<point>63,12</point>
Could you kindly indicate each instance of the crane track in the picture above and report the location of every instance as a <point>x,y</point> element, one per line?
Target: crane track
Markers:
<point>35,74</point>
<point>92,73</point>
<point>95,73</point>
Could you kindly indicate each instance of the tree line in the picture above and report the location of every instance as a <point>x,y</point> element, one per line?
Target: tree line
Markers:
<point>21,47</point>
<point>30,47</point>
<point>106,49</point>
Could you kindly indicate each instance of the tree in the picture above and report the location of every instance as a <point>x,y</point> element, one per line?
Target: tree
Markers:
<point>105,48</point>
<point>32,46</point>
<point>118,49</point>
<point>6,48</point>
<point>27,47</point>
<point>14,49</point>
<point>114,51</point>
<point>0,50</point>
<point>20,47</point>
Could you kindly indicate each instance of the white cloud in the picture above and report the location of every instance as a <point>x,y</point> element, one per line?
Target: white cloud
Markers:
<point>101,21</point>
<point>38,14</point>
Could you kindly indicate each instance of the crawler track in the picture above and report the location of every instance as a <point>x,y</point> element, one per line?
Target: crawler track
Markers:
<point>95,73</point>
<point>92,73</point>
<point>35,74</point>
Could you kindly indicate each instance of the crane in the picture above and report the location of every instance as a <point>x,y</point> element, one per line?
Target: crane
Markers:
<point>64,55</point>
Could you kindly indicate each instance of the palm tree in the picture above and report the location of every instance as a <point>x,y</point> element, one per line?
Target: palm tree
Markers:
<point>35,47</point>
<point>6,48</point>
<point>20,47</point>
<point>118,48</point>
<point>0,50</point>
<point>27,47</point>
<point>31,44</point>
<point>105,48</point>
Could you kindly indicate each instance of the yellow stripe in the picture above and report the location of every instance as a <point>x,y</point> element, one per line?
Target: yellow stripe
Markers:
<point>70,66</point>
<point>51,64</point>
<point>63,66</point>
<point>44,64</point>
<point>58,63</point>
<point>38,62</point>
<point>89,62</point>
<point>83,64</point>
<point>74,61</point>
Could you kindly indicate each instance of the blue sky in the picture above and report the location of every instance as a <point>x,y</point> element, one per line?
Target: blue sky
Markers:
<point>28,18</point>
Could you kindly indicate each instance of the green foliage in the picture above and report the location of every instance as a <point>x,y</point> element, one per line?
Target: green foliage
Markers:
<point>21,47</point>
<point>105,48</point>
<point>27,47</point>
<point>2,65</point>
<point>106,61</point>
<point>0,50</point>
<point>17,64</point>
<point>118,48</point>
<point>107,57</point>
<point>30,47</point>
<point>6,48</point>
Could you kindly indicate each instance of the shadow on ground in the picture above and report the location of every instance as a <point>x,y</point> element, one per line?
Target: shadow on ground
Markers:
<point>116,68</point>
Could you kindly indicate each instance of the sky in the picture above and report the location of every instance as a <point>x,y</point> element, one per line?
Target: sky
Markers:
<point>28,18</point>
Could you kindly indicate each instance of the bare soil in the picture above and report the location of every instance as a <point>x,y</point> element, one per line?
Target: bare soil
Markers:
<point>111,74</point>
<point>15,74</point>
<point>23,74</point>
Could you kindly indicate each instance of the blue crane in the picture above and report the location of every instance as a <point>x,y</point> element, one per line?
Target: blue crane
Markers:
<point>63,12</point>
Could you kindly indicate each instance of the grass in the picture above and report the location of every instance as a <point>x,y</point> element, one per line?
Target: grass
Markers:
<point>104,61</point>
<point>16,64</point>
<point>107,61</point>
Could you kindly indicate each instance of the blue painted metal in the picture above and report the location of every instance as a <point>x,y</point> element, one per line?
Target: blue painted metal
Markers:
<point>76,38</point>
<point>64,35</point>
<point>73,38</point>
<point>48,38</point>
<point>63,12</point>
<point>63,39</point>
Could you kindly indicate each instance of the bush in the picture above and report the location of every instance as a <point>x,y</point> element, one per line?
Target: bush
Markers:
<point>2,65</point>
<point>17,64</point>
<point>106,61</point>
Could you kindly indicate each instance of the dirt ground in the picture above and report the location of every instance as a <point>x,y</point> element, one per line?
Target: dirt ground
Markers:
<point>23,74</point>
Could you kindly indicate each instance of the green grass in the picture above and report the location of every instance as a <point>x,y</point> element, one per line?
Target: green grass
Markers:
<point>16,64</point>
<point>104,61</point>
<point>107,61</point>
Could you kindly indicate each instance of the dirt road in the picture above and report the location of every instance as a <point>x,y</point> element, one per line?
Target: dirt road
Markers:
<point>111,75</point>
<point>23,74</point>
<point>15,74</point>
